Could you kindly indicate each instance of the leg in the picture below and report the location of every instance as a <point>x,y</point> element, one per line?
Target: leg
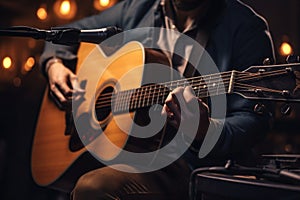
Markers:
<point>107,183</point>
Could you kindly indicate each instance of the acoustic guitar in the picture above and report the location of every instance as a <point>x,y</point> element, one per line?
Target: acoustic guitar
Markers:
<point>114,88</point>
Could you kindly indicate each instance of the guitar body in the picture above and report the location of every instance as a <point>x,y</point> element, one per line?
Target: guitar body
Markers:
<point>52,154</point>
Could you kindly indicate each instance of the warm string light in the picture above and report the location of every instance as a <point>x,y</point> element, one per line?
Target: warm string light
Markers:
<point>285,49</point>
<point>42,13</point>
<point>103,4</point>
<point>29,64</point>
<point>7,62</point>
<point>65,9</point>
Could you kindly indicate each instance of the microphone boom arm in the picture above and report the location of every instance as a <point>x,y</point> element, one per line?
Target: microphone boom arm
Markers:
<point>62,35</point>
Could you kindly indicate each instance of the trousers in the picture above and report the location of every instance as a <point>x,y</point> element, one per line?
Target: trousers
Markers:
<point>108,183</point>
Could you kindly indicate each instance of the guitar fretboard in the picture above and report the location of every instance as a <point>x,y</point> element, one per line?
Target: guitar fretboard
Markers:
<point>146,96</point>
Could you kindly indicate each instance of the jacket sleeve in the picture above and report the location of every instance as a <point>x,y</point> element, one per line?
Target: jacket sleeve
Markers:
<point>243,126</point>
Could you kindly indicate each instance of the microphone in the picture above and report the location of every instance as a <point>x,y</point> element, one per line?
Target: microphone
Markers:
<point>70,36</point>
<point>63,35</point>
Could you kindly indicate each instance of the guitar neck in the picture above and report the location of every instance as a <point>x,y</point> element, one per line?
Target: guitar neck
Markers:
<point>146,96</point>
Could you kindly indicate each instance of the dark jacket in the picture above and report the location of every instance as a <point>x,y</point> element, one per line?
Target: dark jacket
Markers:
<point>238,38</point>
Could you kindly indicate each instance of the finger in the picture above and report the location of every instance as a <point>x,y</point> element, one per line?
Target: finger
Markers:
<point>65,88</point>
<point>75,84</point>
<point>178,104</point>
<point>168,113</point>
<point>165,107</point>
<point>164,110</point>
<point>176,95</point>
<point>190,99</point>
<point>58,93</point>
<point>203,107</point>
<point>78,92</point>
<point>188,94</point>
<point>173,108</point>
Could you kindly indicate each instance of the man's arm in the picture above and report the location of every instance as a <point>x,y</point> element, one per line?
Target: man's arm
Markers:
<point>243,126</point>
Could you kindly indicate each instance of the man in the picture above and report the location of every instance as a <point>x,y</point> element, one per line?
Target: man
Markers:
<point>233,35</point>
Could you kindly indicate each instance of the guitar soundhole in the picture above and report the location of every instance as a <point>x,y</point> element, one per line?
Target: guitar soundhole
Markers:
<point>103,103</point>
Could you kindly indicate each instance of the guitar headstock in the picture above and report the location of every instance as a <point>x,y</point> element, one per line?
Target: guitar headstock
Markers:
<point>271,82</point>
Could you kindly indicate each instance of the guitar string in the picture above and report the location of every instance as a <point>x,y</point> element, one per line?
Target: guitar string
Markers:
<point>159,99</point>
<point>153,89</point>
<point>241,88</point>
<point>188,79</point>
<point>164,94</point>
<point>238,78</point>
<point>103,103</point>
<point>247,86</point>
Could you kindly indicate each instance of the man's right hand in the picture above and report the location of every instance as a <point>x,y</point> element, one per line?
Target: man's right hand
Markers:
<point>63,83</point>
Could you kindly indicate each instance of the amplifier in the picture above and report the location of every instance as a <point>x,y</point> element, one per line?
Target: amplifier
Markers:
<point>242,183</point>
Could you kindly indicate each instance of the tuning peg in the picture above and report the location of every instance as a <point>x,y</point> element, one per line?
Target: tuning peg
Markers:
<point>258,91</point>
<point>285,93</point>
<point>259,108</point>
<point>268,61</point>
<point>293,59</point>
<point>285,109</point>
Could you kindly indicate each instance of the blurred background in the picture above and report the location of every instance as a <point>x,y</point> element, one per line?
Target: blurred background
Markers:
<point>22,85</point>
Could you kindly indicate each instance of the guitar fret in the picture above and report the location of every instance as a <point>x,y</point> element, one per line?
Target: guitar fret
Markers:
<point>198,88</point>
<point>115,106</point>
<point>132,97</point>
<point>153,95</point>
<point>184,83</point>
<point>136,95</point>
<point>127,101</point>
<point>142,98</point>
<point>165,93</point>
<point>212,89</point>
<point>139,98</point>
<point>159,95</point>
<point>209,87</point>
<point>121,101</point>
<point>117,102</point>
<point>145,97</point>
<point>148,95</point>
<point>194,87</point>
<point>123,104</point>
<point>218,85</point>
<point>130,100</point>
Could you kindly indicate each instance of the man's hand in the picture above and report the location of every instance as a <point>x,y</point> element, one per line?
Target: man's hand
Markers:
<point>179,109</point>
<point>63,83</point>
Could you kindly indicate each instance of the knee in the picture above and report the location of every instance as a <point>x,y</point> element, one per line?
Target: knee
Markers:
<point>88,187</point>
<point>98,184</point>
